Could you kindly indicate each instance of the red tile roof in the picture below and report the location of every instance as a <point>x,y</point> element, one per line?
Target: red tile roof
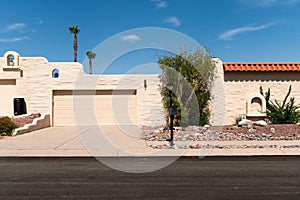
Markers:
<point>261,66</point>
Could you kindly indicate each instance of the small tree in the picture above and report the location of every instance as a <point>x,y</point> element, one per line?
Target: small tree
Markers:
<point>192,73</point>
<point>282,113</point>
<point>91,55</point>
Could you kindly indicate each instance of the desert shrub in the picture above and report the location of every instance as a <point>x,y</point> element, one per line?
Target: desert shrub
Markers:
<point>7,126</point>
<point>191,73</point>
<point>282,113</point>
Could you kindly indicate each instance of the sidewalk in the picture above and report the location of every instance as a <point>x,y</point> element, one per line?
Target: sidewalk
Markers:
<point>111,141</point>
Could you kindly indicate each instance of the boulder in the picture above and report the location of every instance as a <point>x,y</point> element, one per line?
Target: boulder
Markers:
<point>260,123</point>
<point>245,122</point>
<point>206,126</point>
<point>272,130</point>
<point>252,130</point>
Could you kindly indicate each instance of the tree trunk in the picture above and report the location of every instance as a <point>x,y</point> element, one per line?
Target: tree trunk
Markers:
<point>91,67</point>
<point>75,48</point>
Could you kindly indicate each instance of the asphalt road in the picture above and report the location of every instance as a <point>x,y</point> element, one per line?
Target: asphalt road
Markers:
<point>187,178</point>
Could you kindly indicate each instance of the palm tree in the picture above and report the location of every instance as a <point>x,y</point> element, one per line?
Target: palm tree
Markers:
<point>74,30</point>
<point>91,55</point>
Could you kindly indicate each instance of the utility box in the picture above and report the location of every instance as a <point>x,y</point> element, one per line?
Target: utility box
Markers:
<point>19,106</point>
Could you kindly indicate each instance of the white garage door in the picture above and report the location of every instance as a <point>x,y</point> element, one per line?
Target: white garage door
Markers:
<point>101,107</point>
<point>7,93</point>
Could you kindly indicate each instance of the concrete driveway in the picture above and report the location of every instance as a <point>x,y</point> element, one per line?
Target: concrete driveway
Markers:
<point>76,141</point>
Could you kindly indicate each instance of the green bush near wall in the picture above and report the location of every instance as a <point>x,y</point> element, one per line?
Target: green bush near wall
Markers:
<point>191,72</point>
<point>286,112</point>
<point>7,126</point>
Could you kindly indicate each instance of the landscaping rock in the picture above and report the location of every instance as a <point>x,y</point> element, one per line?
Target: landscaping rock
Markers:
<point>260,123</point>
<point>25,119</point>
<point>245,122</point>
<point>206,127</point>
<point>227,133</point>
<point>272,130</point>
<point>252,130</point>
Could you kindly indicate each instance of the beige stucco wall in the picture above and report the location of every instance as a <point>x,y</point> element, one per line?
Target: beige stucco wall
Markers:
<point>230,91</point>
<point>218,95</point>
<point>37,84</point>
<point>240,86</point>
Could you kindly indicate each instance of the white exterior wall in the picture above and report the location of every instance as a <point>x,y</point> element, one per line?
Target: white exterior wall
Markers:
<point>218,96</point>
<point>37,84</point>
<point>239,87</point>
<point>230,91</point>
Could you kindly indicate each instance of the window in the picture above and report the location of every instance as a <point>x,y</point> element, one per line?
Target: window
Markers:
<point>256,105</point>
<point>55,73</point>
<point>10,60</point>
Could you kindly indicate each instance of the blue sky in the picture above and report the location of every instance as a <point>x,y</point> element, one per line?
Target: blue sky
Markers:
<point>233,30</point>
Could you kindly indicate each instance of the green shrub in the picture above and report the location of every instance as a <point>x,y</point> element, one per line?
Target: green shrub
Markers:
<point>191,73</point>
<point>282,113</point>
<point>7,126</point>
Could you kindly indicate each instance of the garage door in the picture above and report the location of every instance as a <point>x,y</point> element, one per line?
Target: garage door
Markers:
<point>7,93</point>
<point>101,107</point>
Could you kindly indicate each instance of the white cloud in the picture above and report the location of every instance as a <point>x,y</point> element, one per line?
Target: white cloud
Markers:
<point>130,38</point>
<point>16,39</point>
<point>268,3</point>
<point>229,34</point>
<point>39,20</point>
<point>173,20</point>
<point>160,4</point>
<point>28,31</point>
<point>13,27</point>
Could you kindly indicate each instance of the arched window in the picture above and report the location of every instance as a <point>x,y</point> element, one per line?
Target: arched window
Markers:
<point>10,60</point>
<point>256,105</point>
<point>55,73</point>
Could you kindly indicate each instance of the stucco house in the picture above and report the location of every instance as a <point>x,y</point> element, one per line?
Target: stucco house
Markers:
<point>243,81</point>
<point>70,97</point>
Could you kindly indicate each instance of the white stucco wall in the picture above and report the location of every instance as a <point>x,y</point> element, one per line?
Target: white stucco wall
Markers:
<point>230,91</point>
<point>218,102</point>
<point>239,87</point>
<point>37,84</point>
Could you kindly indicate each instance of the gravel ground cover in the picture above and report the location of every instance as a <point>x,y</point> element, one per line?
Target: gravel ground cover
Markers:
<point>279,132</point>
